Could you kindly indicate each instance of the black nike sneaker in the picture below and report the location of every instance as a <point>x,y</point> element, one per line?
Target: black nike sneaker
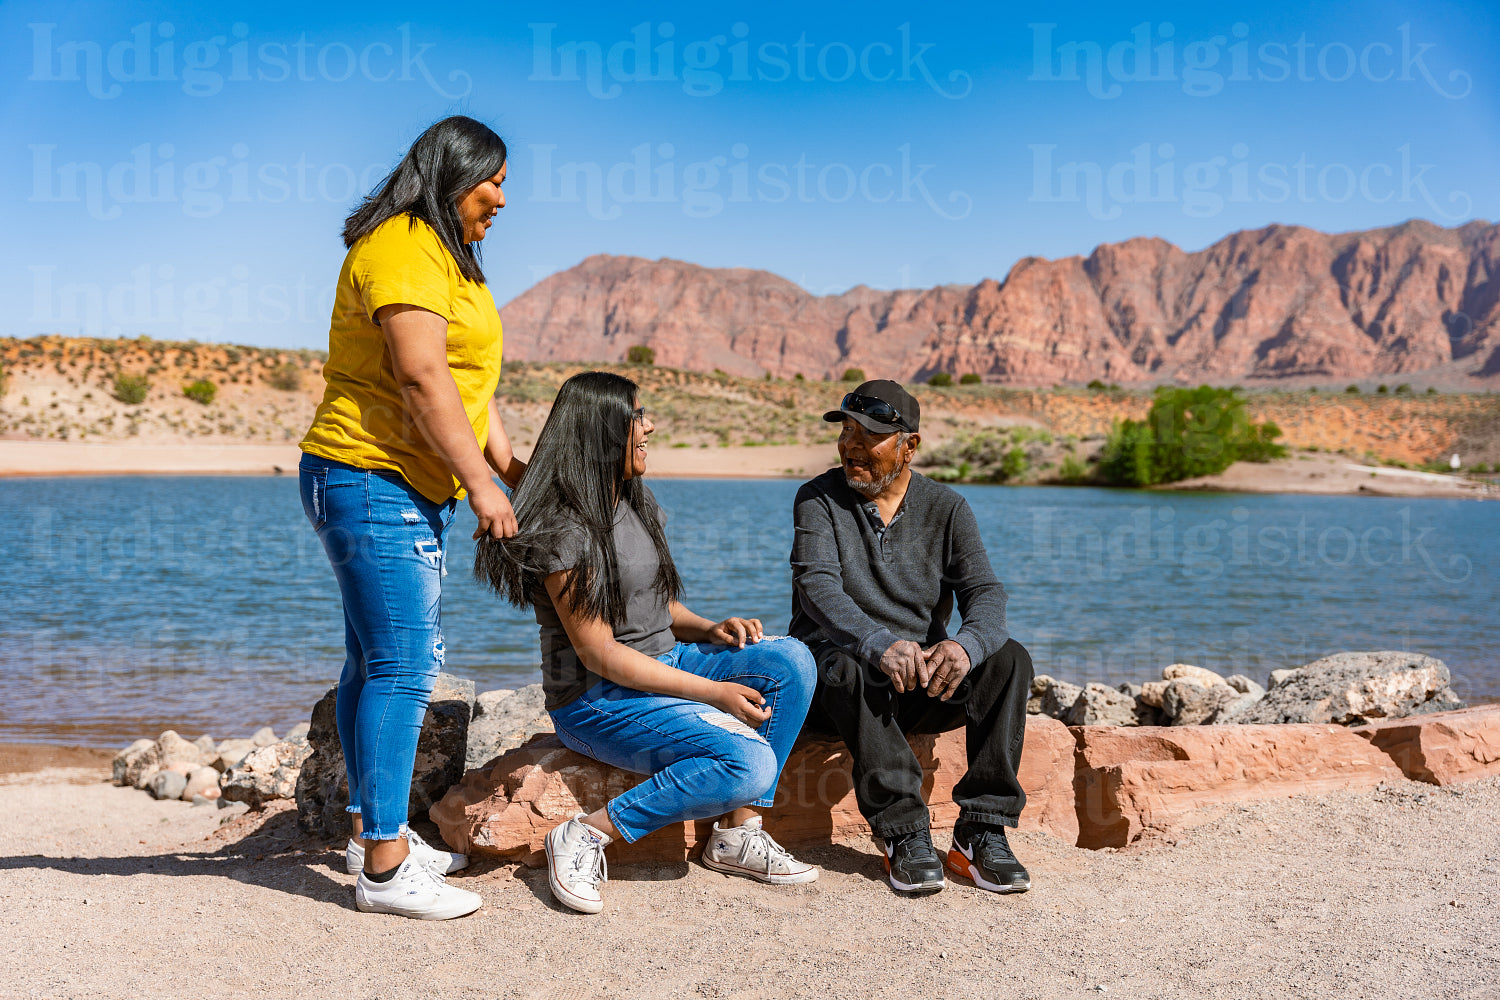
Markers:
<point>981,853</point>
<point>912,863</point>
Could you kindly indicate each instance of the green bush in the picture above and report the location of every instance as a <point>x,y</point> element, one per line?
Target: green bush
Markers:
<point>1382,388</point>
<point>1352,390</point>
<point>941,379</point>
<point>4,380</point>
<point>854,374</point>
<point>287,377</point>
<point>640,354</point>
<point>985,456</point>
<point>202,391</point>
<point>970,378</point>
<point>1096,386</point>
<point>1404,387</point>
<point>1187,433</point>
<point>132,389</point>
<point>1432,390</point>
<point>1073,470</point>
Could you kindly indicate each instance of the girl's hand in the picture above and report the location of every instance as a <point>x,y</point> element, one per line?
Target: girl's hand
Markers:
<point>744,703</point>
<point>736,632</point>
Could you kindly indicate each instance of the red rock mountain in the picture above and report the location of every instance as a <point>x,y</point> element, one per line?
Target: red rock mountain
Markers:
<point>1278,302</point>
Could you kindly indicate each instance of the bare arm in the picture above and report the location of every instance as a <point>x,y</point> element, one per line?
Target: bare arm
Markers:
<point>498,452</point>
<point>418,343</point>
<point>596,647</point>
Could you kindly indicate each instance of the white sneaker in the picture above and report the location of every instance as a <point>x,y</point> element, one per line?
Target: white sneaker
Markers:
<point>749,850</point>
<point>576,865</point>
<point>429,857</point>
<point>415,891</point>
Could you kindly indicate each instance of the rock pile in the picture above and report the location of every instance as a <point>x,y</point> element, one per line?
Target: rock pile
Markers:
<point>1347,688</point>
<point>171,767</point>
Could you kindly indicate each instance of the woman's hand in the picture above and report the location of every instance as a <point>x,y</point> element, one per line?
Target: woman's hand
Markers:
<point>492,507</point>
<point>736,632</point>
<point>744,703</point>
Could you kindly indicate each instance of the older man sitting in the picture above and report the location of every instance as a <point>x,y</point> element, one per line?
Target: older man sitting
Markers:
<point>879,556</point>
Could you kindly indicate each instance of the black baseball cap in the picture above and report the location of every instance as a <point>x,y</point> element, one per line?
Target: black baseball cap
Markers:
<point>881,406</point>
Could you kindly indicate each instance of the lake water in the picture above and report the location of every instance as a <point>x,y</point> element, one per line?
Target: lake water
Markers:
<point>205,604</point>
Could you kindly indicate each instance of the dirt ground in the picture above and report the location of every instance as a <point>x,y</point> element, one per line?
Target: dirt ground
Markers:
<point>1390,893</point>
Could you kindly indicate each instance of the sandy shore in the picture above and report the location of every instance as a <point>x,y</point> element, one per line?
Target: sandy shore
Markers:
<point>74,458</point>
<point>1316,472</point>
<point>1389,893</point>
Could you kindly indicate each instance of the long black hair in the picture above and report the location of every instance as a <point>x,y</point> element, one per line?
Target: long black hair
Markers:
<point>575,478</point>
<point>445,162</point>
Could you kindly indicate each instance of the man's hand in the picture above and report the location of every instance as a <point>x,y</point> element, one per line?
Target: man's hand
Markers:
<point>736,632</point>
<point>947,666</point>
<point>903,663</point>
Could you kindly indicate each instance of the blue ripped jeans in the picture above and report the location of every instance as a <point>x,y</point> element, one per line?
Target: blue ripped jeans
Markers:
<point>702,762</point>
<point>386,543</point>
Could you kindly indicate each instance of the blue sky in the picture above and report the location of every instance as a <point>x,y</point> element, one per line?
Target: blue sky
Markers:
<point>183,170</point>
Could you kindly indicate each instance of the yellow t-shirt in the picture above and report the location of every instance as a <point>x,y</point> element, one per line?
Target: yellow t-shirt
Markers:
<point>363,421</point>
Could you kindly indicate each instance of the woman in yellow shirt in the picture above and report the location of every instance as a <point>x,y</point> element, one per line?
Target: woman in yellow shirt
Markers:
<point>407,427</point>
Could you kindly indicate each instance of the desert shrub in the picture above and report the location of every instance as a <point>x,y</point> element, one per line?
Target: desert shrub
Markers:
<point>1382,388</point>
<point>131,389</point>
<point>854,374</point>
<point>1432,390</point>
<point>940,379</point>
<point>287,377</point>
<point>1187,433</point>
<point>970,378</point>
<point>1096,386</point>
<point>1073,470</point>
<point>640,354</point>
<point>1353,390</point>
<point>202,391</point>
<point>1403,388</point>
<point>4,380</point>
<point>985,456</point>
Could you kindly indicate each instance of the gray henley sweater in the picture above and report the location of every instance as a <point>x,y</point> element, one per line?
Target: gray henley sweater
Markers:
<point>861,587</point>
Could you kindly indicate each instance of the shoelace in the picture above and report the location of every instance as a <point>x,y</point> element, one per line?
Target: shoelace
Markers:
<point>589,863</point>
<point>421,873</point>
<point>772,849</point>
<point>991,847</point>
<point>919,848</point>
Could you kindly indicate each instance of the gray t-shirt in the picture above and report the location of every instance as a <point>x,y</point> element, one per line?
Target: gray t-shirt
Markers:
<point>648,619</point>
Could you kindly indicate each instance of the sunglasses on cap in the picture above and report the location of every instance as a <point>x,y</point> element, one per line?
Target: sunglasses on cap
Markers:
<point>875,409</point>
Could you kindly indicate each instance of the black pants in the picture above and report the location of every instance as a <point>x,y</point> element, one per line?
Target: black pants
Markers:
<point>859,704</point>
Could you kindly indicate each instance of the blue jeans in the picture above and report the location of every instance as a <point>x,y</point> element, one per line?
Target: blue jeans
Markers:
<point>386,543</point>
<point>702,761</point>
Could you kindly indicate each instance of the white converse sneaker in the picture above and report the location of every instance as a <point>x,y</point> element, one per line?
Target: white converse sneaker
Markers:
<point>415,891</point>
<point>576,865</point>
<point>749,850</point>
<point>429,857</point>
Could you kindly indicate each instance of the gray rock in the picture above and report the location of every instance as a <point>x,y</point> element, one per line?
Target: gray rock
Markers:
<point>176,750</point>
<point>264,736</point>
<point>207,749</point>
<point>264,774</point>
<point>1058,697</point>
<point>1098,705</point>
<point>503,720</point>
<point>1126,687</point>
<point>1244,685</point>
<point>231,752</point>
<point>167,785</point>
<point>1279,677</point>
<point>130,763</point>
<point>298,733</point>
<point>203,800</point>
<point>1354,688</point>
<point>1186,703</point>
<point>322,786</point>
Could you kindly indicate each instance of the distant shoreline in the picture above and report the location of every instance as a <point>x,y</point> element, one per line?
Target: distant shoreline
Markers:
<point>1303,473</point>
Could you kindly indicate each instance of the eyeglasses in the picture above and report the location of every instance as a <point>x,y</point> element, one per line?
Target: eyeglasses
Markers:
<point>875,409</point>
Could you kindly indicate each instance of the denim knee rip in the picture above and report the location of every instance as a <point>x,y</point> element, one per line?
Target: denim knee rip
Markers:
<point>729,723</point>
